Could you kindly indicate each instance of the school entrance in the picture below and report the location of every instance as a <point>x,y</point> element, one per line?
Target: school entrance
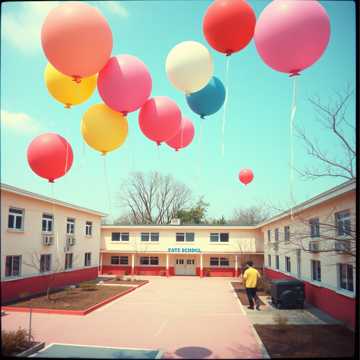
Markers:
<point>185,266</point>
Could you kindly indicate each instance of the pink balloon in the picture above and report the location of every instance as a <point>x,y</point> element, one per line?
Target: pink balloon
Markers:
<point>50,156</point>
<point>160,119</point>
<point>184,136</point>
<point>124,83</point>
<point>292,35</point>
<point>76,39</point>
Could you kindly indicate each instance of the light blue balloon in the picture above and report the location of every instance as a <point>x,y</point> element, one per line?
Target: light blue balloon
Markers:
<point>209,99</point>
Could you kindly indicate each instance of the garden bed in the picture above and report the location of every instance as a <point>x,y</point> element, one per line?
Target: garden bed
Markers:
<point>71,299</point>
<point>307,341</point>
<point>241,293</point>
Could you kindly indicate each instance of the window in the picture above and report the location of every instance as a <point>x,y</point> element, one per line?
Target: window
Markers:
<point>87,260</point>
<point>180,237</point>
<point>346,277</point>
<point>214,261</point>
<point>190,237</point>
<point>277,262</point>
<point>314,227</point>
<point>149,236</point>
<point>287,233</point>
<point>224,262</point>
<point>114,260</point>
<point>70,226</point>
<point>269,235</point>
<point>343,223</point>
<point>122,260</point>
<point>68,261</point>
<point>47,223</point>
<point>88,228</point>
<point>315,270</point>
<point>269,260</point>
<point>13,265</point>
<point>116,236</point>
<point>287,264</point>
<point>219,237</point>
<point>15,219</point>
<point>276,234</point>
<point>149,260</point>
<point>45,263</point>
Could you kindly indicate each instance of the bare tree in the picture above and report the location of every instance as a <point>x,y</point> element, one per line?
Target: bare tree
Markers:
<point>152,198</point>
<point>252,215</point>
<point>331,237</point>
<point>332,117</point>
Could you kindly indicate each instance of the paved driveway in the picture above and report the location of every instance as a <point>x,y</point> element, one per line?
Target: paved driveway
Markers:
<point>185,317</point>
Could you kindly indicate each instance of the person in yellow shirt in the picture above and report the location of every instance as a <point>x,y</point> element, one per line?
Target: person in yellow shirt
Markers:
<point>250,279</point>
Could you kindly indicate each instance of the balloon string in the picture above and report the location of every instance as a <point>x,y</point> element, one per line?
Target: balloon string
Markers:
<point>292,122</point>
<point>225,104</point>
<point>107,185</point>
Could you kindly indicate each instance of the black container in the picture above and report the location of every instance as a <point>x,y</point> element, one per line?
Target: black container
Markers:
<point>288,294</point>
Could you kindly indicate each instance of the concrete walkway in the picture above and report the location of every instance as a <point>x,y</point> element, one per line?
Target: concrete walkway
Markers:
<point>185,317</point>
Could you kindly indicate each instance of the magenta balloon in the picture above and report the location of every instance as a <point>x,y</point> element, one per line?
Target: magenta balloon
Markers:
<point>124,83</point>
<point>184,136</point>
<point>292,35</point>
<point>159,119</point>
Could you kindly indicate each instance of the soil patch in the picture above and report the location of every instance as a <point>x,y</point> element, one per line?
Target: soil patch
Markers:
<point>241,293</point>
<point>73,299</point>
<point>310,341</point>
<point>126,282</point>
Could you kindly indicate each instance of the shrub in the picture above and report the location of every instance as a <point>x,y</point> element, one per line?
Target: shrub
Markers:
<point>119,278</point>
<point>280,321</point>
<point>14,342</point>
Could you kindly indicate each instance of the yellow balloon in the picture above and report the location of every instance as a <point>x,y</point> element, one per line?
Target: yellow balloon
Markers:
<point>103,128</point>
<point>67,91</point>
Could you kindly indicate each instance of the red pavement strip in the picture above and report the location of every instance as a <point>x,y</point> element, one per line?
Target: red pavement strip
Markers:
<point>71,312</point>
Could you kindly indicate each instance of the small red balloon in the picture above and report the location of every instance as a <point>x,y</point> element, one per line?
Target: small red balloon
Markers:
<point>229,25</point>
<point>50,156</point>
<point>246,176</point>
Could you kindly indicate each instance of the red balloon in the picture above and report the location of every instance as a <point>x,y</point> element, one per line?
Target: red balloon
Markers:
<point>184,136</point>
<point>50,156</point>
<point>246,176</point>
<point>229,25</point>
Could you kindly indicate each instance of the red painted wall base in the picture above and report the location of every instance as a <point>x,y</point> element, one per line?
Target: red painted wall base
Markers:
<point>12,289</point>
<point>338,306</point>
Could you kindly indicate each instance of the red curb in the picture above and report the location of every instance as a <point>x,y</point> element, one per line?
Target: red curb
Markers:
<point>72,312</point>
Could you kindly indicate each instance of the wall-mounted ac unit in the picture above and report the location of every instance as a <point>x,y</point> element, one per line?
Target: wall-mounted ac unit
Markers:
<point>48,240</point>
<point>314,246</point>
<point>70,240</point>
<point>341,245</point>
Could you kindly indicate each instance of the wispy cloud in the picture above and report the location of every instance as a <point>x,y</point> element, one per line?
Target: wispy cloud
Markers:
<point>21,24</point>
<point>116,8</point>
<point>19,122</point>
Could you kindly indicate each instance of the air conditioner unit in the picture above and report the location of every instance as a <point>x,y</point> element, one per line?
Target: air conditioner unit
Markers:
<point>314,246</point>
<point>342,246</point>
<point>70,240</point>
<point>175,222</point>
<point>48,240</point>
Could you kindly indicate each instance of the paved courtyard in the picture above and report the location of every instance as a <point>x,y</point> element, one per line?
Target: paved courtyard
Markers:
<point>185,317</point>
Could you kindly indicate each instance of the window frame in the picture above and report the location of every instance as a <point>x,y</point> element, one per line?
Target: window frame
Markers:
<point>70,226</point>
<point>269,260</point>
<point>287,233</point>
<point>214,259</point>
<point>219,237</point>
<point>149,260</point>
<point>342,221</point>
<point>7,275</point>
<point>87,259</point>
<point>288,264</point>
<point>277,262</point>
<point>347,282</point>
<point>152,234</point>
<point>314,224</point>
<point>221,262</point>
<point>276,235</point>
<point>15,216</point>
<point>121,235</point>
<point>179,235</point>
<point>47,221</point>
<point>315,270</point>
<point>269,235</point>
<point>69,265</point>
<point>46,263</point>
<point>88,228</point>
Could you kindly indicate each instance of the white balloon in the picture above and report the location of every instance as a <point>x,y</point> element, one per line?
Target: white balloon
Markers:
<point>189,66</point>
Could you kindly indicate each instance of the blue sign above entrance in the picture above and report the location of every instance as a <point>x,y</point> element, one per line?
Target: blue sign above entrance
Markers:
<point>184,250</point>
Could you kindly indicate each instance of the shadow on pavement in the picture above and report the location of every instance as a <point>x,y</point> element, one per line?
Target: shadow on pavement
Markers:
<point>193,352</point>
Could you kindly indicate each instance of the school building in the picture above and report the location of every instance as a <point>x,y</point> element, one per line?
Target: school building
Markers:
<point>43,239</point>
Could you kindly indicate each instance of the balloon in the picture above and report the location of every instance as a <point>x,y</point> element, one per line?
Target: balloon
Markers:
<point>103,128</point>
<point>76,39</point>
<point>50,156</point>
<point>292,35</point>
<point>184,136</point>
<point>246,176</point>
<point>228,25</point>
<point>189,66</point>
<point>63,89</point>
<point>124,83</point>
<point>209,99</point>
<point>160,119</point>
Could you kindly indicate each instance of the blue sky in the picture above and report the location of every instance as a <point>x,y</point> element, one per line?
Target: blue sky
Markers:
<point>257,121</point>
